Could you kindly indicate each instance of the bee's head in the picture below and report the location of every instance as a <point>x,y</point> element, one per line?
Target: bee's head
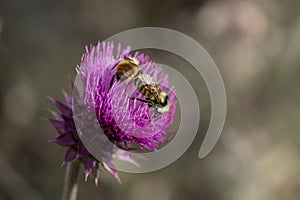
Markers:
<point>163,98</point>
<point>163,106</point>
<point>161,109</point>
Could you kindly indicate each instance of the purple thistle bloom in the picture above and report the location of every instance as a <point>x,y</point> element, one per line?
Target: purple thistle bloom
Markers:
<point>126,123</point>
<point>68,137</point>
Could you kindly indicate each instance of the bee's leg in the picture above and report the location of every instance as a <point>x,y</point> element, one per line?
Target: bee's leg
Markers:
<point>156,114</point>
<point>142,100</point>
<point>112,81</point>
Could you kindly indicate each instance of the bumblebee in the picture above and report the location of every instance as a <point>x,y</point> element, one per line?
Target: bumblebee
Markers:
<point>154,96</point>
<point>128,68</point>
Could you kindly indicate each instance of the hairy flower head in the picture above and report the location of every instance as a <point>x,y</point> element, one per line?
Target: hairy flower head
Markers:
<point>125,120</point>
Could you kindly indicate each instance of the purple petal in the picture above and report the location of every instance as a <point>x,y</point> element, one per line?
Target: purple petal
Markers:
<point>62,107</point>
<point>96,174</point>
<point>56,115</point>
<point>112,170</point>
<point>70,155</point>
<point>59,125</point>
<point>68,99</point>
<point>66,139</point>
<point>125,156</point>
<point>82,151</point>
<point>89,163</point>
<point>70,124</point>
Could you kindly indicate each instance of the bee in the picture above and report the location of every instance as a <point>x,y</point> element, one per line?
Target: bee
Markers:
<point>128,68</point>
<point>154,96</point>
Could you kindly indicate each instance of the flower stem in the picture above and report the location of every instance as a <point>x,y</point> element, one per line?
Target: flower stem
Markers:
<point>71,181</point>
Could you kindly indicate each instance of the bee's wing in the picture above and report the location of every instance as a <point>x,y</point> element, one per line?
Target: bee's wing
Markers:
<point>146,79</point>
<point>151,85</point>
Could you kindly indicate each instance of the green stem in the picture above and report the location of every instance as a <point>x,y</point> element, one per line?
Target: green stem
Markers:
<point>71,181</point>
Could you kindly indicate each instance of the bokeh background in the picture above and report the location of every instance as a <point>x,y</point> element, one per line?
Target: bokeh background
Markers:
<point>256,45</point>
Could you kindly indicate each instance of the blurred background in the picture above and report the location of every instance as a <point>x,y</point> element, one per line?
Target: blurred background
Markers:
<point>256,46</point>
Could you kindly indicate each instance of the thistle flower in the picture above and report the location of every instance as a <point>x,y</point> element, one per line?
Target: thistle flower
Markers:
<point>126,122</point>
